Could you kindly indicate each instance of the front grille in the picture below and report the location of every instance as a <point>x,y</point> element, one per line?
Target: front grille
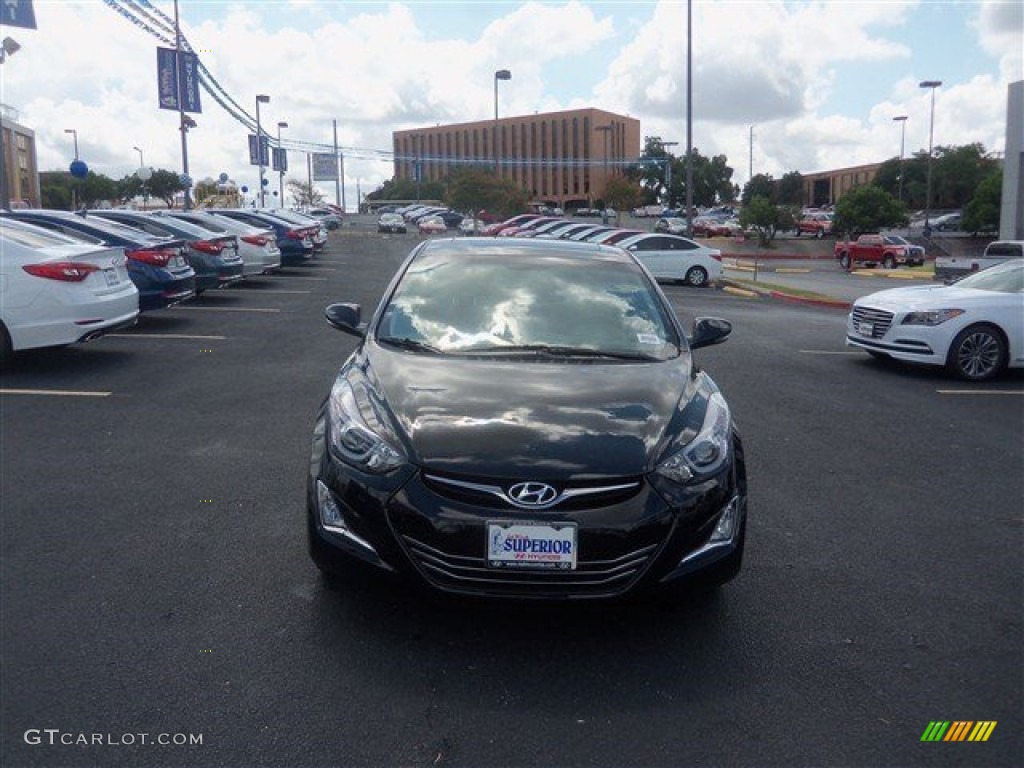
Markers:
<point>879,319</point>
<point>491,493</point>
<point>472,575</point>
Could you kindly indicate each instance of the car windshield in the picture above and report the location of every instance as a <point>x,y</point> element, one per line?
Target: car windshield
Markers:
<point>1002,278</point>
<point>539,306</point>
<point>895,240</point>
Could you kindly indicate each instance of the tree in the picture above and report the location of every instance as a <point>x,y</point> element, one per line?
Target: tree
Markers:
<point>981,214</point>
<point>766,218</point>
<point>476,189</point>
<point>304,193</point>
<point>620,194</point>
<point>791,189</point>
<point>712,177</point>
<point>867,209</point>
<point>761,185</point>
<point>956,173</point>
<point>165,185</point>
<point>407,189</point>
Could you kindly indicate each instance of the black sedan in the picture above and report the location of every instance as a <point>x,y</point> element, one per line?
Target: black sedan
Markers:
<point>523,418</point>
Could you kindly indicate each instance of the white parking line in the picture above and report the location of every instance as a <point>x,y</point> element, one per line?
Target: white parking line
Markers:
<point>227,309</point>
<point>828,352</point>
<point>54,392</point>
<point>266,290</point>
<point>980,391</point>
<point>164,336</point>
<point>306,277</point>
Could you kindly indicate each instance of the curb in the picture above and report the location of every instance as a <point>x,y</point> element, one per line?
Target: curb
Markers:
<point>750,292</point>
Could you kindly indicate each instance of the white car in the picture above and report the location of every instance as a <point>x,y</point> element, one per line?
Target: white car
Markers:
<point>55,290</point>
<point>256,247</point>
<point>975,327</point>
<point>670,257</point>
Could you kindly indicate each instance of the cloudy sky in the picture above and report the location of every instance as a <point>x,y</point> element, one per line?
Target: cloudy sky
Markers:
<point>819,82</point>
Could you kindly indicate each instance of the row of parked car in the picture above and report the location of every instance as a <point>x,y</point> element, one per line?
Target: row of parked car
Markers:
<point>73,276</point>
<point>667,256</point>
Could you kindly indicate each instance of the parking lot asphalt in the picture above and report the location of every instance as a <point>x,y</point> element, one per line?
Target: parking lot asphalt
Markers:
<point>155,580</point>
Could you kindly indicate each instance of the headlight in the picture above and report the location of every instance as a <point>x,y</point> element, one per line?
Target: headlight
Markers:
<point>931,317</point>
<point>357,426</point>
<point>708,451</point>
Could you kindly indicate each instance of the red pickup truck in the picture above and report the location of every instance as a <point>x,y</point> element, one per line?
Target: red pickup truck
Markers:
<point>887,250</point>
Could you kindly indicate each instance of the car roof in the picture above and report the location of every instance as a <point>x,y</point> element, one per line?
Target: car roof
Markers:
<point>510,247</point>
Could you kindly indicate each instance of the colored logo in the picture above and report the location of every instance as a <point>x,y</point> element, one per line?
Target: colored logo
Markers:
<point>958,730</point>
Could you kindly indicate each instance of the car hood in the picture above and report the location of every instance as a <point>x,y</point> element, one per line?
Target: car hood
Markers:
<point>551,419</point>
<point>911,298</point>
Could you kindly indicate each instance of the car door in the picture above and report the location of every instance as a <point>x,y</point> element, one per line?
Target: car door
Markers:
<point>657,254</point>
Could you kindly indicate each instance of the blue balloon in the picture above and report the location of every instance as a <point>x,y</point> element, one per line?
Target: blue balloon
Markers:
<point>223,178</point>
<point>265,182</point>
<point>244,189</point>
<point>186,180</point>
<point>79,169</point>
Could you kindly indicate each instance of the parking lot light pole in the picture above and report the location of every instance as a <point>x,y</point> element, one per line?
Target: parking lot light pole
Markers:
<point>74,186</point>
<point>605,129</point>
<point>501,74</point>
<point>280,163</point>
<point>260,99</point>
<point>902,120</point>
<point>668,171</point>
<point>933,84</point>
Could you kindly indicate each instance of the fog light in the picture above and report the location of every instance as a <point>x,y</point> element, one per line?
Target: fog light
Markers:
<point>330,512</point>
<point>726,526</point>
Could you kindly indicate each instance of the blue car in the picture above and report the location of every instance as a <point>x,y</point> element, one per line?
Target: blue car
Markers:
<point>295,242</point>
<point>157,266</point>
<point>214,257</point>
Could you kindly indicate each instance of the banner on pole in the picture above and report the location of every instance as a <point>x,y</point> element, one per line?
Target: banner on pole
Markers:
<point>169,77</point>
<point>279,159</point>
<point>325,166</point>
<point>254,159</point>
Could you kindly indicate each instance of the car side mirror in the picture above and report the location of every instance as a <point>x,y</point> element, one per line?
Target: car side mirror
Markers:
<point>346,317</point>
<point>708,331</point>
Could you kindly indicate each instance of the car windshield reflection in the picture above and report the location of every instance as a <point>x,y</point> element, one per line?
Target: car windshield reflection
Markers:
<point>569,309</point>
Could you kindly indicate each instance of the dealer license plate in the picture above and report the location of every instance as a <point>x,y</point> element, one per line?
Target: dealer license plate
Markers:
<point>531,545</point>
<point>866,329</point>
<point>111,275</point>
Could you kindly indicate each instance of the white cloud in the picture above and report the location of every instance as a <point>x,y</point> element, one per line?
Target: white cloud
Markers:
<point>773,64</point>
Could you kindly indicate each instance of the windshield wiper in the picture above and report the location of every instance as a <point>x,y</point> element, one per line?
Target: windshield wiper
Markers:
<point>403,342</point>
<point>555,350</point>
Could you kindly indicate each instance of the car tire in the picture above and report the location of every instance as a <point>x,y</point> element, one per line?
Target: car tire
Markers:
<point>888,262</point>
<point>844,260</point>
<point>696,276</point>
<point>6,347</point>
<point>978,353</point>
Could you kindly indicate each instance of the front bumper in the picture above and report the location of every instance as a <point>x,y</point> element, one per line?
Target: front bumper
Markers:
<point>433,532</point>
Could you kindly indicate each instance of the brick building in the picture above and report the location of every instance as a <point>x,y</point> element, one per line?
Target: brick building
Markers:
<point>562,158</point>
<point>20,169</point>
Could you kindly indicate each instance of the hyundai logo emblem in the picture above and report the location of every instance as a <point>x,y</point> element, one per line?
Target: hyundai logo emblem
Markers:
<point>532,494</point>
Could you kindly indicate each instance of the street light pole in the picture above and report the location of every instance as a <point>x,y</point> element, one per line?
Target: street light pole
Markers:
<point>501,74</point>
<point>184,121</point>
<point>260,99</point>
<point>689,118</point>
<point>74,133</point>
<point>280,163</point>
<point>605,129</point>
<point>902,120</point>
<point>143,175</point>
<point>933,84</point>
<point>668,171</point>
<point>74,185</point>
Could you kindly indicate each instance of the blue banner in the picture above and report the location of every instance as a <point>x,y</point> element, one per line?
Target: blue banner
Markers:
<point>264,150</point>
<point>169,77</point>
<point>279,159</point>
<point>18,13</point>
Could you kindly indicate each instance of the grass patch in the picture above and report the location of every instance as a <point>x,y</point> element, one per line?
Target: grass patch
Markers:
<point>759,286</point>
